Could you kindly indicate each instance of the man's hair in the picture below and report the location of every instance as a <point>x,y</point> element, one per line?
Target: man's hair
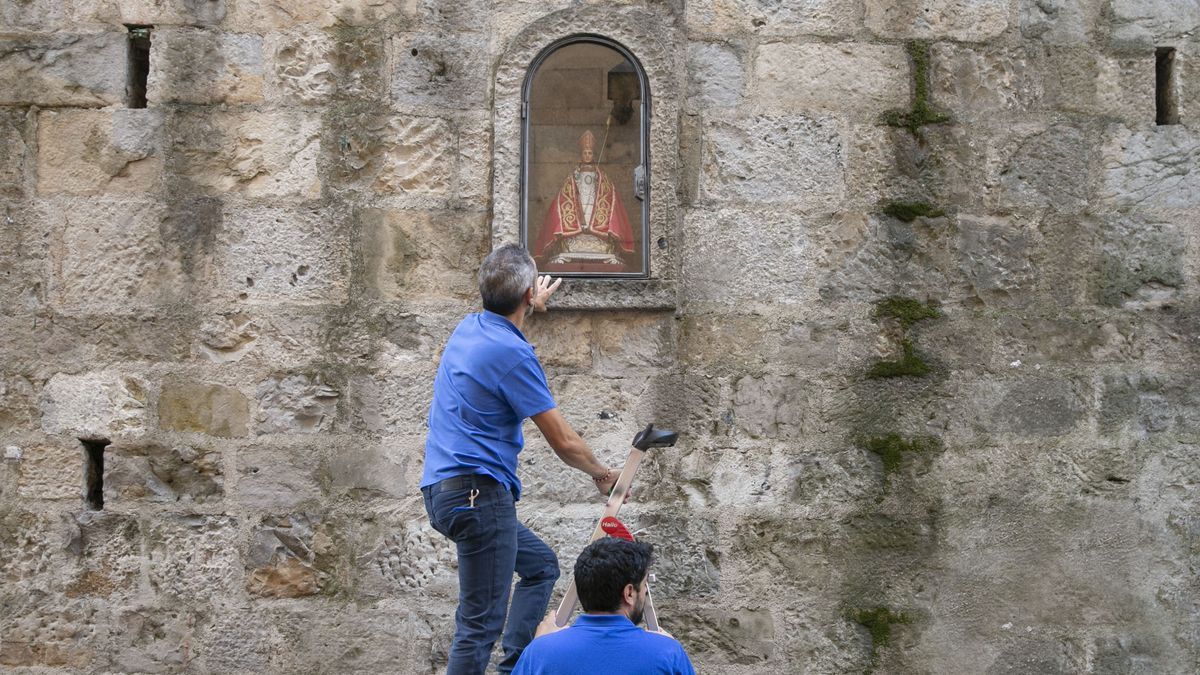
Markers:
<point>605,567</point>
<point>504,277</point>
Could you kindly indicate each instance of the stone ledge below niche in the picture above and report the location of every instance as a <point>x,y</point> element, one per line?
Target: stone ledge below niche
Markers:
<point>614,294</point>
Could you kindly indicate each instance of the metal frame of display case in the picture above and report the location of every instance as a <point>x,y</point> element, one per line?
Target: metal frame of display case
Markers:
<point>644,164</point>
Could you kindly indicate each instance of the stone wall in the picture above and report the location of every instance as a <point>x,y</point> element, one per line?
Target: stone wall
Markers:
<point>922,308</point>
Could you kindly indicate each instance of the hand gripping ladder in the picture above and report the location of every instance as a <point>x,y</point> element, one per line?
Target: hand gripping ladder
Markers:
<point>647,438</point>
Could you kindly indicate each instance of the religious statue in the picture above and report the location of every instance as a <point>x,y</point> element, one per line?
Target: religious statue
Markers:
<point>586,222</point>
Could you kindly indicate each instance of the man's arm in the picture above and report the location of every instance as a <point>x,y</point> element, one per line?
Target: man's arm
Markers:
<point>571,449</point>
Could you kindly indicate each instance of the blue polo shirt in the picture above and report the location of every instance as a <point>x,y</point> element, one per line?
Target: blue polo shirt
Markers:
<point>488,382</point>
<point>604,643</point>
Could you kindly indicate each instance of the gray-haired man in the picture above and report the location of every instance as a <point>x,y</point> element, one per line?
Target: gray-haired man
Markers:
<point>489,380</point>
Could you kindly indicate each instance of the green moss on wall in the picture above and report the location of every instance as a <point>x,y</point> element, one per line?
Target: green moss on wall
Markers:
<point>909,365</point>
<point>910,211</point>
<point>922,112</point>
<point>891,449</point>
<point>878,621</point>
<point>907,310</point>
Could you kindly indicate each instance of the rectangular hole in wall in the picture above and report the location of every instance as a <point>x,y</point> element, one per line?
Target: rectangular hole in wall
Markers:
<point>93,472</point>
<point>1166,103</point>
<point>138,67</point>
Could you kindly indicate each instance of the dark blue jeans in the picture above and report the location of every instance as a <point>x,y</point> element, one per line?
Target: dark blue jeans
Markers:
<point>491,546</point>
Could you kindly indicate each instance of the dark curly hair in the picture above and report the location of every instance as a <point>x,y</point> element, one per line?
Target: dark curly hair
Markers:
<point>605,567</point>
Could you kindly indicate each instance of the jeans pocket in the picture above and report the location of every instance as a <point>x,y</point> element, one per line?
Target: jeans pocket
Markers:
<point>454,516</point>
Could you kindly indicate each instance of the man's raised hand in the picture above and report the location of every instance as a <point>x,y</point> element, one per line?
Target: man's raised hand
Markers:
<point>542,291</point>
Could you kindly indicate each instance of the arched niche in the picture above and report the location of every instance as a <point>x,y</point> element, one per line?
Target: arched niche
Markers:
<point>650,35</point>
<point>585,188</point>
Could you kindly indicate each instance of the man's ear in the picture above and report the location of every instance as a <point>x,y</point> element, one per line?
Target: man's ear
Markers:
<point>629,595</point>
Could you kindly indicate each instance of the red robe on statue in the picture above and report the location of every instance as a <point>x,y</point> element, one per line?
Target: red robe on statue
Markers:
<point>565,218</point>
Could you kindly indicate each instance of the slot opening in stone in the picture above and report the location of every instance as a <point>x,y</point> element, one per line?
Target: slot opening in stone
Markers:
<point>138,66</point>
<point>1166,103</point>
<point>93,471</point>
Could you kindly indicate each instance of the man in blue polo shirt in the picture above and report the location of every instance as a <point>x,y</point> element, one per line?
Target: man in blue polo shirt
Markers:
<point>489,380</point>
<point>610,575</point>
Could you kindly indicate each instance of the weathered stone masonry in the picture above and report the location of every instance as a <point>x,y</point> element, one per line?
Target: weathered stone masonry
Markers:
<point>923,306</point>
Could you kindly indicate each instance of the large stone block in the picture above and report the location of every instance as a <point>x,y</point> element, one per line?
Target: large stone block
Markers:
<point>278,478</point>
<point>1049,167</point>
<point>302,68</point>
<point>642,342</point>
<point>368,470</point>
<point>210,409</point>
<point>416,157</point>
<point>1059,22</point>
<point>726,343</point>
<point>369,639</point>
<point>716,76</point>
<point>253,154</point>
<point>1149,403</point>
<point>91,152</point>
<point>152,637</point>
<point>52,635</point>
<point>423,254</point>
<point>286,14</point>
<point>287,555</point>
<point>18,403</point>
<point>86,71</point>
<point>405,557</point>
<point>1141,262</point>
<point>227,337</point>
<point>792,159</point>
<point>34,551</point>
<point>1156,168</point>
<point>774,406</point>
<point>965,20</point>
<point>274,255</point>
<point>94,405</point>
<point>439,72</point>
<point>1148,23</point>
<point>995,257</point>
<point>151,12</point>
<point>562,339</point>
<point>725,635</point>
<point>34,15</point>
<point>880,164</point>
<point>295,404</point>
<point>390,154</point>
<point>239,640</point>
<point>201,66</point>
<point>110,256</point>
<point>687,552</point>
<point>1033,406</point>
<point>106,555</point>
<point>728,266</point>
<point>155,472</point>
<point>802,17</point>
<point>474,169</point>
<point>192,558</point>
<point>864,79</point>
<point>15,152</point>
<point>52,471</point>
<point>392,402</point>
<point>1097,84</point>
<point>976,82</point>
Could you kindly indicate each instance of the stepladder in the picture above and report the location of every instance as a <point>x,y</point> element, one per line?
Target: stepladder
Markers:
<point>645,440</point>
